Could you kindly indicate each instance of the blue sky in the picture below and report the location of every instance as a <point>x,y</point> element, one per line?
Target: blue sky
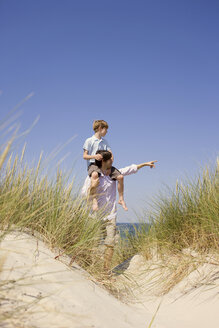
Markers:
<point>149,68</point>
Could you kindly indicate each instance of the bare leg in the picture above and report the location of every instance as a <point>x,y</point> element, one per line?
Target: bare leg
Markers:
<point>92,190</point>
<point>108,254</point>
<point>121,201</point>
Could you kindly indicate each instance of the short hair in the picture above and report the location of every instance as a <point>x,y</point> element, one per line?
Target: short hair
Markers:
<point>100,123</point>
<point>106,156</point>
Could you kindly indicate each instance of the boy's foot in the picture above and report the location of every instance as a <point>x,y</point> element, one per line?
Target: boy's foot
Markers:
<point>122,202</point>
<point>95,205</point>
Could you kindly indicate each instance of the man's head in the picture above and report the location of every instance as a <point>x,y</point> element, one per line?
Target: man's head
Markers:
<point>106,160</point>
<point>100,126</point>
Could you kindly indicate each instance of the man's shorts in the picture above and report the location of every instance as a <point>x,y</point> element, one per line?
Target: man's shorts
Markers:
<point>94,168</point>
<point>109,232</point>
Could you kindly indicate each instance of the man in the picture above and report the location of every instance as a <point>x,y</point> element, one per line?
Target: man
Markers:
<point>106,197</point>
<point>91,145</point>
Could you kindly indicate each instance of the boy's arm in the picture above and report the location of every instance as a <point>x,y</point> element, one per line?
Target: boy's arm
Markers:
<point>87,150</point>
<point>98,157</point>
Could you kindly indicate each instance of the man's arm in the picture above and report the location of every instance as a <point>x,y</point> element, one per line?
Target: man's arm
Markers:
<point>151,164</point>
<point>131,169</point>
<point>85,186</point>
<point>127,170</point>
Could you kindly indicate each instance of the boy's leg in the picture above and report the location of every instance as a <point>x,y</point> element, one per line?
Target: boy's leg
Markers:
<point>94,173</point>
<point>120,179</point>
<point>93,188</point>
<point>116,175</point>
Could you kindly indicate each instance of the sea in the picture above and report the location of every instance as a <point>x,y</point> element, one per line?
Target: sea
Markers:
<point>130,227</point>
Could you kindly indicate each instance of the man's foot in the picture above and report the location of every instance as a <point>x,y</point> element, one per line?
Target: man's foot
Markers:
<point>122,202</point>
<point>108,274</point>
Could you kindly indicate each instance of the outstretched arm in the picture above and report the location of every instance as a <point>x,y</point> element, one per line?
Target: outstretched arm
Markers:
<point>134,168</point>
<point>151,164</point>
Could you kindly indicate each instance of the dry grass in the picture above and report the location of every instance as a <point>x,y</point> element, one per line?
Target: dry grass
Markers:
<point>187,218</point>
<point>184,222</point>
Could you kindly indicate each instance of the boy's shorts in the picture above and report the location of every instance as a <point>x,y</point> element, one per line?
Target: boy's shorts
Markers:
<point>109,232</point>
<point>94,168</point>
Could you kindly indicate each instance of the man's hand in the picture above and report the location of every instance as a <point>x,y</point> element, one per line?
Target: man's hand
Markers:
<point>151,164</point>
<point>98,157</point>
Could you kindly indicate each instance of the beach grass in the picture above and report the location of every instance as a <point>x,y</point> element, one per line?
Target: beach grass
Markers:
<point>189,216</point>
<point>50,207</point>
<point>183,232</point>
<point>186,218</point>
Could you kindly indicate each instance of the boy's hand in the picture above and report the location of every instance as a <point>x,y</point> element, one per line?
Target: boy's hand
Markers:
<point>98,157</point>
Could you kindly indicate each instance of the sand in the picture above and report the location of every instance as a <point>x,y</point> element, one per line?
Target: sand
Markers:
<point>52,294</point>
<point>55,295</point>
<point>192,302</point>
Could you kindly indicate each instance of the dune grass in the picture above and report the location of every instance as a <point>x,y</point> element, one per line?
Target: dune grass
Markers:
<point>53,208</point>
<point>189,216</point>
<point>186,218</point>
<point>183,232</point>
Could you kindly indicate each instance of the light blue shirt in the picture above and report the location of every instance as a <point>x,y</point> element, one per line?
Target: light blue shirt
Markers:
<point>93,144</point>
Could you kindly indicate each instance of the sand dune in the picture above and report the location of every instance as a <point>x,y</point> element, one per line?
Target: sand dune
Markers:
<point>55,295</point>
<point>191,303</point>
<point>48,293</point>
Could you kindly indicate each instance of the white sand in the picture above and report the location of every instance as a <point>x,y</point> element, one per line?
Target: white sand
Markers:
<point>63,296</point>
<point>192,303</point>
<point>55,295</point>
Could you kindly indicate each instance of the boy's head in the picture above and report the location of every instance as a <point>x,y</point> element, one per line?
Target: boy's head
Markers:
<point>100,126</point>
<point>107,159</point>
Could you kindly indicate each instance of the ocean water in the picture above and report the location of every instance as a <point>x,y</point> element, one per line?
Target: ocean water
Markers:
<point>122,227</point>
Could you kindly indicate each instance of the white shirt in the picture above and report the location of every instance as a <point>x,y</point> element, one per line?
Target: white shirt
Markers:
<point>93,144</point>
<point>106,192</point>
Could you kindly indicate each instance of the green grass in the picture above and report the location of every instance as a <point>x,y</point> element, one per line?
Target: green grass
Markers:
<point>187,217</point>
<point>32,202</point>
<point>183,221</point>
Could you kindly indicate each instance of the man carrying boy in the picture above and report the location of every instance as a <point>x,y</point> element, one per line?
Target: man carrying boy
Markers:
<point>106,197</point>
<point>91,146</point>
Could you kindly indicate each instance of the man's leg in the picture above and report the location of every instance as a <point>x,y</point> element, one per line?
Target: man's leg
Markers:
<point>120,179</point>
<point>109,242</point>
<point>93,188</point>
<point>108,254</point>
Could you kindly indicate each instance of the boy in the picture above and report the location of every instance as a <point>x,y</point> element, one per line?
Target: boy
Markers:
<point>91,146</point>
